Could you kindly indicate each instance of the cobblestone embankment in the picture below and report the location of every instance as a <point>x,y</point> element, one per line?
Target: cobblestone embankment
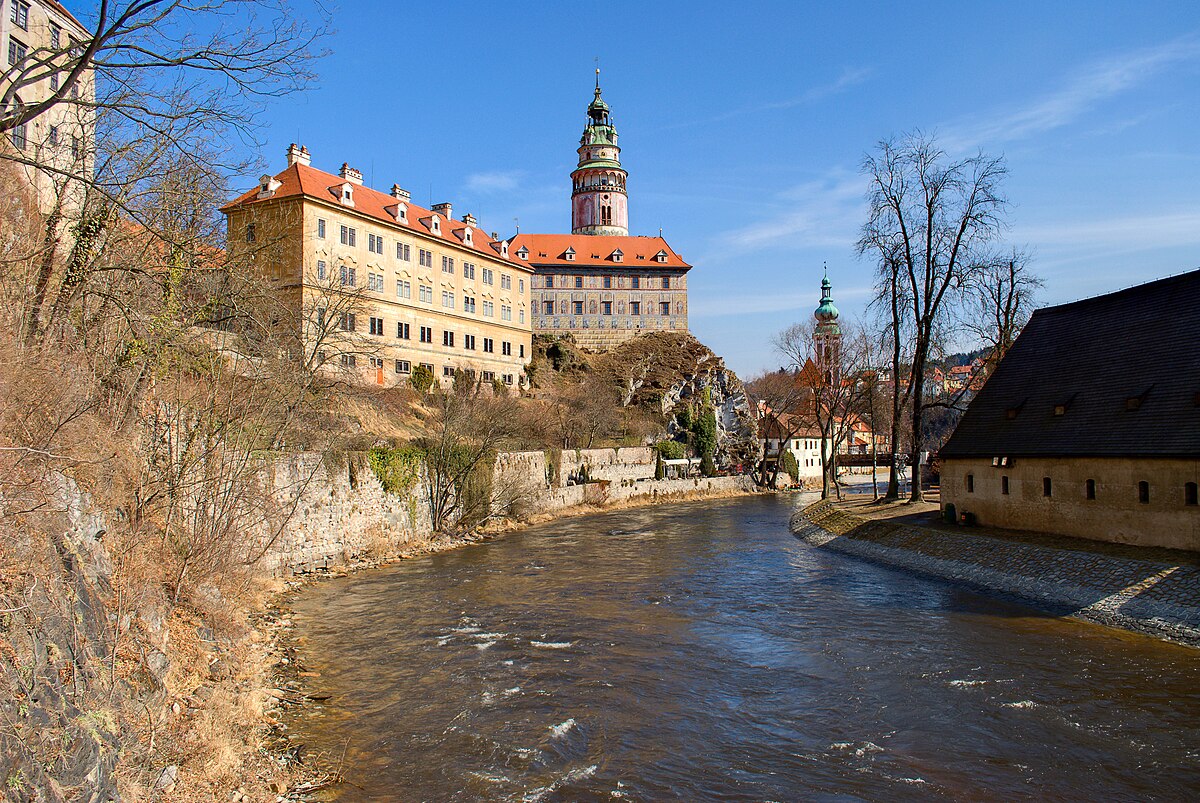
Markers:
<point>1157,598</point>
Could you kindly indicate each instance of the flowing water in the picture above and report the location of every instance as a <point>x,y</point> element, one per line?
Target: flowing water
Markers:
<point>700,652</point>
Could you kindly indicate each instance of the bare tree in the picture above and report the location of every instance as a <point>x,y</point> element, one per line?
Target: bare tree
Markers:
<point>935,217</point>
<point>1000,298</point>
<point>786,403</point>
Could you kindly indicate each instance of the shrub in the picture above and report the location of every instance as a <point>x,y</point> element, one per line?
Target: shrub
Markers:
<point>397,468</point>
<point>422,378</point>
<point>790,465</point>
<point>671,450</point>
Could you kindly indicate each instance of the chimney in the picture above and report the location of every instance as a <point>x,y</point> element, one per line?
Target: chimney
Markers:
<point>494,237</point>
<point>298,154</point>
<point>400,194</point>
<point>445,210</point>
<point>351,174</point>
<point>470,220</point>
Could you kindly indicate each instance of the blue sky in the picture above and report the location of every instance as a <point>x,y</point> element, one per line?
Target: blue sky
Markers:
<point>743,125</point>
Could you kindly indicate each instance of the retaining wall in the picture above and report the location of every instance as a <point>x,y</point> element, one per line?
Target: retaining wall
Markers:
<point>1158,598</point>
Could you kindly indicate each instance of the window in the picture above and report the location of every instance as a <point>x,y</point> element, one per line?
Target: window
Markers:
<point>403,252</point>
<point>75,150</point>
<point>16,51</point>
<point>505,312</point>
<point>488,376</point>
<point>1089,489</point>
<point>374,243</point>
<point>347,322</point>
<point>426,294</point>
<point>635,282</point>
<point>970,483</point>
<point>53,82</point>
<point>605,215</point>
<point>506,348</point>
<point>20,14</point>
<point>447,299</point>
<point>349,236</point>
<point>489,345</point>
<point>1189,494</point>
<point>447,370</point>
<point>403,367</point>
<point>549,281</point>
<point>522,350</point>
<point>506,281</point>
<point>635,308</point>
<point>376,326</point>
<point>375,282</point>
<point>666,282</point>
<point>488,276</point>
<point>321,317</point>
<point>576,307</point>
<point>606,308</point>
<point>403,288</point>
<point>578,282</point>
<point>426,334</point>
<point>55,35</point>
<point>548,307</point>
<point>348,276</point>
<point>607,282</point>
<point>402,330</point>
<point>522,286</point>
<point>489,309</point>
<point>322,271</point>
<point>468,304</point>
<point>1045,486</point>
<point>522,313</point>
<point>508,379</point>
<point>249,232</point>
<point>320,228</point>
<point>447,264</point>
<point>448,339</point>
<point>664,307</point>
<point>469,270</point>
<point>348,360</point>
<point>1004,485</point>
<point>1144,492</point>
<point>469,342</point>
<point>425,258</point>
<point>428,366</point>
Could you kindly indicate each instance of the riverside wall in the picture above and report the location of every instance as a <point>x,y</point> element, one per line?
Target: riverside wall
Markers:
<point>1159,598</point>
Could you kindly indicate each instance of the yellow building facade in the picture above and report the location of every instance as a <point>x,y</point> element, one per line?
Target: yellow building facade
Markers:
<point>381,286</point>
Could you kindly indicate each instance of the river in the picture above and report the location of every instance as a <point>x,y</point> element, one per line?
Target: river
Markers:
<point>700,652</point>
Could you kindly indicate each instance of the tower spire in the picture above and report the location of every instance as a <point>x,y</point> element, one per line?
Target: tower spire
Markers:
<point>599,204</point>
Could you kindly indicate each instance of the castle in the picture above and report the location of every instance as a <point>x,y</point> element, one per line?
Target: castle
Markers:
<point>599,283</point>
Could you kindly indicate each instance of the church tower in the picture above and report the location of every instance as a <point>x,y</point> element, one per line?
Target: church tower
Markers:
<point>599,204</point>
<point>827,337</point>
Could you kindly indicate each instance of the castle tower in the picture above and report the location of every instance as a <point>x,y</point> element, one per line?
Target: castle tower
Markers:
<point>827,336</point>
<point>599,204</point>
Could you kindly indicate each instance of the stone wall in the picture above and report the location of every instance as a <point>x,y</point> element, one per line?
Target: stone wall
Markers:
<point>341,512</point>
<point>613,465</point>
<point>1150,596</point>
<point>1115,514</point>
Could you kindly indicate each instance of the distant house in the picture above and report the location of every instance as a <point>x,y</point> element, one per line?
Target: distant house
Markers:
<point>783,432</point>
<point>1090,425</point>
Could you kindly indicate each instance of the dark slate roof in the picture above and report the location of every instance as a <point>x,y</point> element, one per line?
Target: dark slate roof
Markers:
<point>1093,356</point>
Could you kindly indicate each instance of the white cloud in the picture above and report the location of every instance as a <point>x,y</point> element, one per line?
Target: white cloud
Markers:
<point>494,181</point>
<point>825,213</point>
<point>1080,94</point>
<point>1128,233</point>
<point>764,303</point>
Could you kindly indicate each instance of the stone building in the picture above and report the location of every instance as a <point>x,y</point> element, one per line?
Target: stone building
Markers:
<point>1090,424</point>
<point>56,146</point>
<point>598,283</point>
<point>379,285</point>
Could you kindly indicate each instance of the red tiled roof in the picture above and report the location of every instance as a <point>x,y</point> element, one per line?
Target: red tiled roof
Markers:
<point>591,250</point>
<point>302,180</point>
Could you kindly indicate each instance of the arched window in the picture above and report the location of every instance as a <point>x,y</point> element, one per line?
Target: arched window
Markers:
<point>605,215</point>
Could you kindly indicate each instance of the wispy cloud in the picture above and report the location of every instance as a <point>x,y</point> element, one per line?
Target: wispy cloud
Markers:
<point>1167,229</point>
<point>762,303</point>
<point>1081,93</point>
<point>822,213</point>
<point>850,77</point>
<point>494,181</point>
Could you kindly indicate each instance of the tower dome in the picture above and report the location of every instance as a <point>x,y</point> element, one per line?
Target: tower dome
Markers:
<point>599,201</point>
<point>826,313</point>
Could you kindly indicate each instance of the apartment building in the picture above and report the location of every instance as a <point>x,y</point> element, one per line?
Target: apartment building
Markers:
<point>381,285</point>
<point>55,148</point>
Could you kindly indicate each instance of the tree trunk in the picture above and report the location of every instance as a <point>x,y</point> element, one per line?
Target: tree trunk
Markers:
<point>918,409</point>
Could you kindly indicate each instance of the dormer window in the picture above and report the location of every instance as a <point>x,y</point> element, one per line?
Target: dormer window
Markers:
<point>504,250</point>
<point>618,255</point>
<point>436,227</point>
<point>523,252</point>
<point>569,254</point>
<point>402,213</point>
<point>467,236</point>
<point>267,186</point>
<point>661,256</point>
<point>345,194</point>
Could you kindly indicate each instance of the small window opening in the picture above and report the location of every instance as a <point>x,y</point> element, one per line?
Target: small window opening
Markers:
<point>1090,489</point>
<point>1045,486</point>
<point>1004,485</point>
<point>970,483</point>
<point>1144,492</point>
<point>1189,494</point>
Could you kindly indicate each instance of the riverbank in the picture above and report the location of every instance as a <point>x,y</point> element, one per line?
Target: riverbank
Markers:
<point>288,677</point>
<point>1154,592</point>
